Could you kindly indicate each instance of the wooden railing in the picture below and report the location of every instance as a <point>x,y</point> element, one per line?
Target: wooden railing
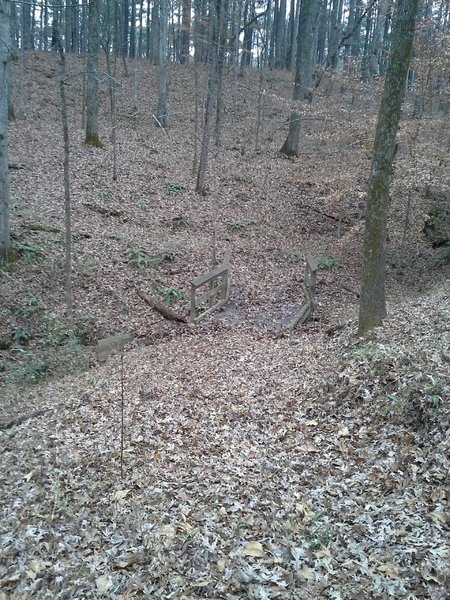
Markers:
<point>218,294</point>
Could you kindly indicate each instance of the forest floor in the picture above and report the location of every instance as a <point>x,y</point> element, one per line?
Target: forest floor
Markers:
<point>258,461</point>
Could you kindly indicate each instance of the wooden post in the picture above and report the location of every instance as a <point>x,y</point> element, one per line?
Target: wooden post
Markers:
<point>112,344</point>
<point>219,283</point>
<point>309,289</point>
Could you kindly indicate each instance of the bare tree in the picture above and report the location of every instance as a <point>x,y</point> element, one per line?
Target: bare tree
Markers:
<point>5,238</point>
<point>163,84</point>
<point>185,31</point>
<point>92,138</point>
<point>211,93</point>
<point>372,308</point>
<point>12,54</point>
<point>67,203</point>
<point>304,64</point>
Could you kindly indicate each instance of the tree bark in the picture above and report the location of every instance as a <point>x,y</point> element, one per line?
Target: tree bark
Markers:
<point>5,238</point>
<point>211,94</point>
<point>67,203</point>
<point>11,53</point>
<point>280,30</point>
<point>27,38</point>
<point>163,30</point>
<point>376,45</point>
<point>373,299</point>
<point>223,27</point>
<point>306,53</point>
<point>185,31</point>
<point>125,27</point>
<point>92,138</point>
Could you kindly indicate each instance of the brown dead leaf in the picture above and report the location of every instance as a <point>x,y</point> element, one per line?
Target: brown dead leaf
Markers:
<point>254,549</point>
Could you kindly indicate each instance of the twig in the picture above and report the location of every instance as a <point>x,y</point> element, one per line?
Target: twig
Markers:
<point>349,289</point>
<point>324,214</point>
<point>214,154</point>
<point>160,125</point>
<point>332,330</point>
<point>122,413</point>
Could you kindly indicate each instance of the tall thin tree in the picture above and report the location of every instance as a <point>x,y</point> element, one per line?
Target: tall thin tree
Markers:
<point>5,237</point>
<point>67,202</point>
<point>304,64</point>
<point>163,83</point>
<point>211,93</point>
<point>92,138</point>
<point>372,308</point>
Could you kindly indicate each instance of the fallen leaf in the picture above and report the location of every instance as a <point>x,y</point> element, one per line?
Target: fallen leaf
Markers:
<point>438,517</point>
<point>307,573</point>
<point>309,448</point>
<point>390,569</point>
<point>343,432</point>
<point>126,560</point>
<point>120,495</point>
<point>221,565</point>
<point>103,583</point>
<point>254,549</point>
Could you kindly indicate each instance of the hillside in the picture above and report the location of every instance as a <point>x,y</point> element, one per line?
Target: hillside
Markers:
<point>258,462</point>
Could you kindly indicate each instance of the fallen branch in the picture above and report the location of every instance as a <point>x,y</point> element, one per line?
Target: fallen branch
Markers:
<point>166,312</point>
<point>349,289</point>
<point>332,330</point>
<point>21,419</point>
<point>324,214</point>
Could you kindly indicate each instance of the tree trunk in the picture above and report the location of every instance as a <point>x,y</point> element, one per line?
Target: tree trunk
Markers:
<point>356,37</point>
<point>306,51</point>
<point>223,27</point>
<point>67,203</point>
<point>350,25</point>
<point>155,34</point>
<point>141,29</point>
<point>376,45</point>
<point>200,30</point>
<point>211,94</point>
<point>68,12</point>
<point>185,31</point>
<point>27,38</point>
<point>125,27</point>
<point>5,239</point>
<point>92,138</point>
<point>12,54</point>
<point>247,44</point>
<point>280,30</point>
<point>132,52</point>
<point>290,56</point>
<point>163,30</point>
<point>373,300</point>
<point>322,32</point>
<point>334,35</point>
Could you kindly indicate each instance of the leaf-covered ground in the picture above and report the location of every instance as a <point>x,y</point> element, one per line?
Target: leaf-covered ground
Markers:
<point>254,467</point>
<point>257,463</point>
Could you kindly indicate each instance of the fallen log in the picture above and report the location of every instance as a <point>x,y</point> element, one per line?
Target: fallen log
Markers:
<point>166,312</point>
<point>21,419</point>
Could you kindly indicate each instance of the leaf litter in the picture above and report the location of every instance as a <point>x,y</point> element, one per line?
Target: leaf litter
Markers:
<point>255,466</point>
<point>257,463</point>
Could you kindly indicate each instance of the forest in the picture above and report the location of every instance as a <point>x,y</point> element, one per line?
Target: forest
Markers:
<point>224,299</point>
